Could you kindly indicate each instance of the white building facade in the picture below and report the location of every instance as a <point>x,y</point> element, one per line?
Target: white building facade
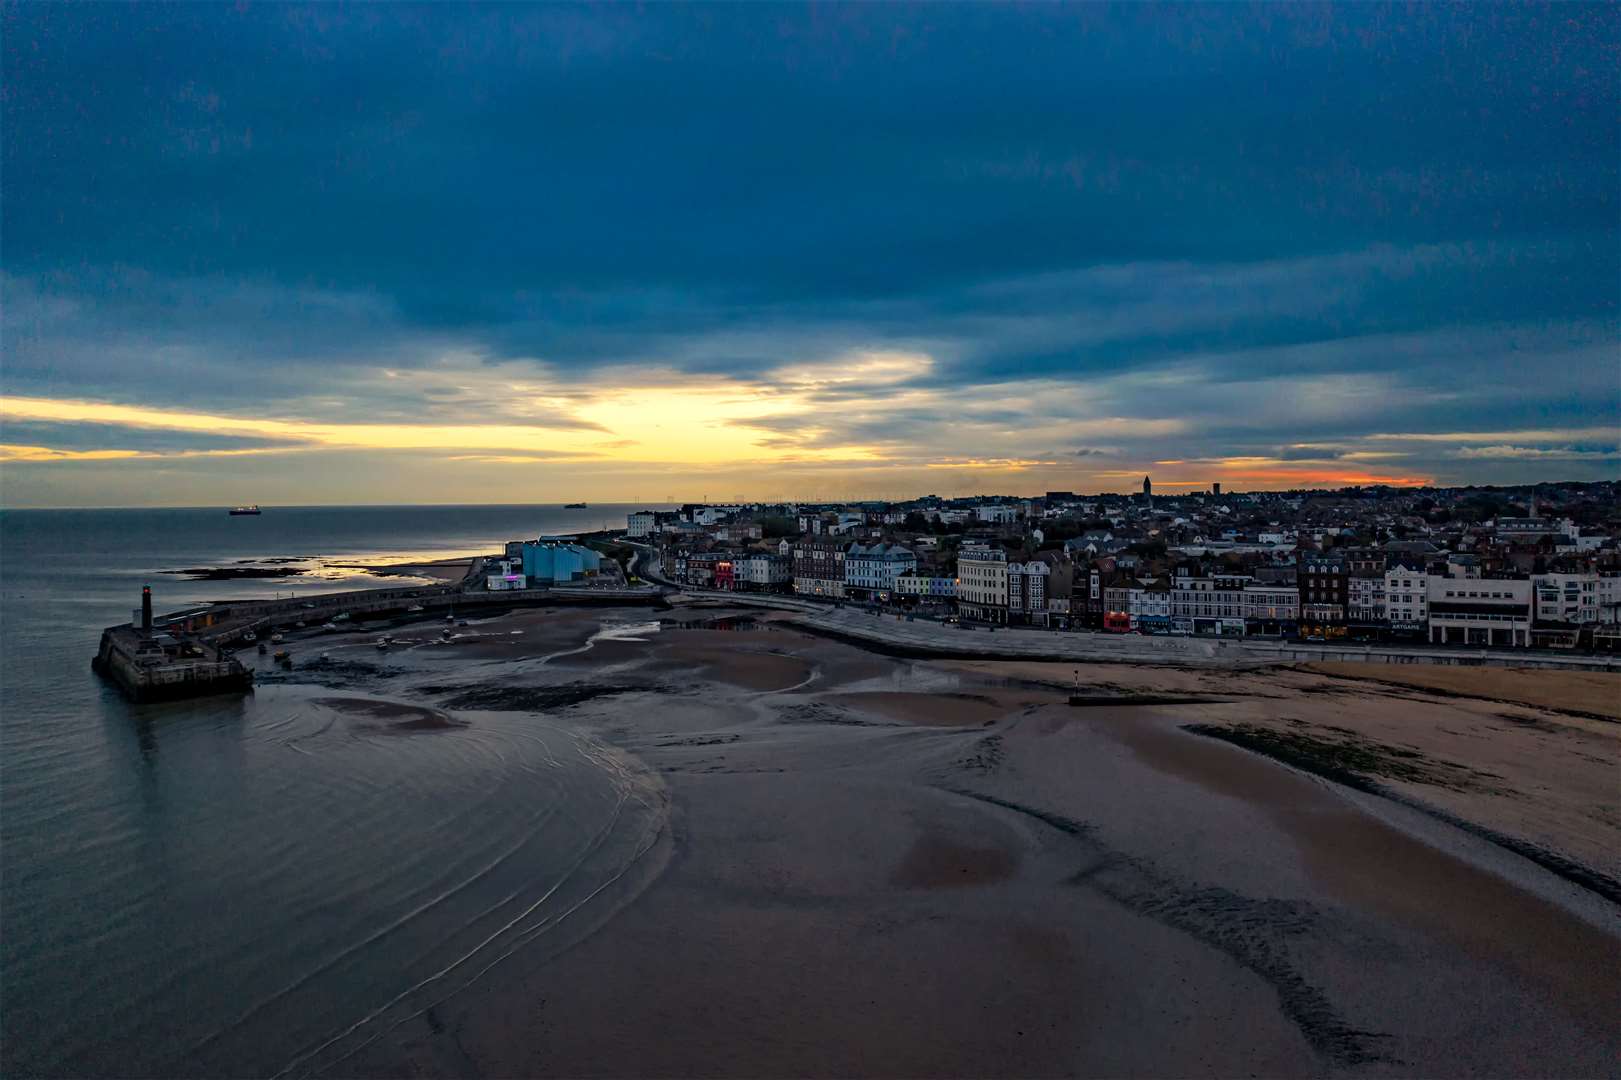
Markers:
<point>997,515</point>
<point>1479,611</point>
<point>982,582</point>
<point>763,573</point>
<point>1027,592</point>
<point>1609,599</point>
<point>1407,599</point>
<point>1149,604</point>
<point>1571,599</point>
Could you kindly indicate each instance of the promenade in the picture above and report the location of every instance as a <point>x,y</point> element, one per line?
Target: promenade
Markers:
<point>893,633</point>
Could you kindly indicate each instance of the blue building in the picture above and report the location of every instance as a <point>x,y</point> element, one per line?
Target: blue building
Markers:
<point>554,560</point>
<point>870,571</point>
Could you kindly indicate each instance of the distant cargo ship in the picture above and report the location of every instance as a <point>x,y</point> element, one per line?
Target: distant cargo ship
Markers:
<point>238,511</point>
<point>575,506</point>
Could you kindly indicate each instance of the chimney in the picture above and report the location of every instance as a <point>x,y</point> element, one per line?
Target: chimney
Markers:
<point>146,610</point>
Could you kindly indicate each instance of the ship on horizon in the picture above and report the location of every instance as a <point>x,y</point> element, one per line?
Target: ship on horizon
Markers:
<point>575,506</point>
<point>243,511</point>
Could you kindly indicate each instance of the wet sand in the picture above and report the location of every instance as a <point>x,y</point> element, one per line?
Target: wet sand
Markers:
<point>743,660</point>
<point>885,867</point>
<point>392,717</point>
<point>937,710</point>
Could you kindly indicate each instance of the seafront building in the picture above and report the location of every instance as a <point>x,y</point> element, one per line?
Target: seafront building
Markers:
<point>507,575</point>
<point>1571,599</point>
<point>871,570</point>
<point>763,572</point>
<point>819,569</point>
<point>1148,606</point>
<point>1474,611</point>
<point>1324,581</point>
<point>1208,605</point>
<point>1027,592</point>
<point>926,587</point>
<point>982,578</point>
<point>1365,586</point>
<point>1407,601</point>
<point>553,560</point>
<point>1609,599</point>
<point>1271,610</point>
<point>1369,566</point>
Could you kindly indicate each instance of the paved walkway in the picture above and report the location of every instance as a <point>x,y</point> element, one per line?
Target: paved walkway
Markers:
<point>930,637</point>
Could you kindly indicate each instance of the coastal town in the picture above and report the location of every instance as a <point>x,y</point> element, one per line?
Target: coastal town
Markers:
<point>882,541</point>
<point>1518,568</point>
<point>1535,570</point>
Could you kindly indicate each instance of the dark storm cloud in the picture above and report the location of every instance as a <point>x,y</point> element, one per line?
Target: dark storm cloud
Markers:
<point>81,437</point>
<point>460,160</point>
<point>266,206</point>
<point>1308,453</point>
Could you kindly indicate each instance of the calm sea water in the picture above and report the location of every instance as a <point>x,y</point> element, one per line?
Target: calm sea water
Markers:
<point>233,886</point>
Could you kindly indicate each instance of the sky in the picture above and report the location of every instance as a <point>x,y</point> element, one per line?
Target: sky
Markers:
<point>462,254</point>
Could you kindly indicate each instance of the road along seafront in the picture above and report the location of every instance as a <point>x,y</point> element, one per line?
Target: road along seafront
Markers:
<point>923,637</point>
<point>927,637</point>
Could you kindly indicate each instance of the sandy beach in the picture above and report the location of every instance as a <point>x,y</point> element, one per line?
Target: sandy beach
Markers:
<point>883,867</point>
<point>436,569</point>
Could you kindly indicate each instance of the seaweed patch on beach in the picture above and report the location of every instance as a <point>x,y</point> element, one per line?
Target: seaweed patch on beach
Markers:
<point>525,698</point>
<point>1348,758</point>
<point>332,674</point>
<point>1359,763</point>
<point>985,757</point>
<point>819,713</point>
<point>1254,932</point>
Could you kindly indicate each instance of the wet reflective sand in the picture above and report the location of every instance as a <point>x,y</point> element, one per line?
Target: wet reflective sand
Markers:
<point>884,867</point>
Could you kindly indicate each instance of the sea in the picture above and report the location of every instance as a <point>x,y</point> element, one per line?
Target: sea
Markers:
<point>229,885</point>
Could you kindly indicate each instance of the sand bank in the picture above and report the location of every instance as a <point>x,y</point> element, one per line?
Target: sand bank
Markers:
<point>437,569</point>
<point>1582,693</point>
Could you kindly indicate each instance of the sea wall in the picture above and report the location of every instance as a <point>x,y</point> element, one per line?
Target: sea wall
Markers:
<point>157,677</point>
<point>1446,657</point>
<point>922,637</point>
<point>197,660</point>
<point>260,617</point>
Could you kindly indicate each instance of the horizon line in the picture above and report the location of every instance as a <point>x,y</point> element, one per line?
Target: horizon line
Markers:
<point>827,502</point>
